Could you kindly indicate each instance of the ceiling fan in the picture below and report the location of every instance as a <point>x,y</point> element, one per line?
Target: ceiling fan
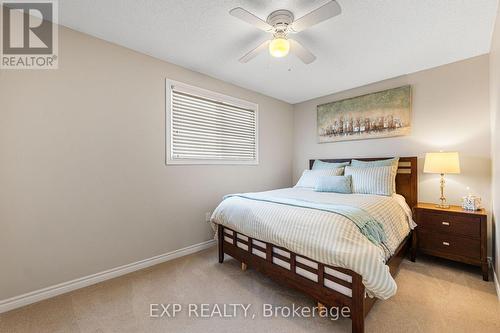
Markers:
<point>281,23</point>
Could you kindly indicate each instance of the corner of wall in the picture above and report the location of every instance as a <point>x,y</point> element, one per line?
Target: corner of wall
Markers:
<point>494,72</point>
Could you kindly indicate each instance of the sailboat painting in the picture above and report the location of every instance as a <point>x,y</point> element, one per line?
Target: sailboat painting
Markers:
<point>377,115</point>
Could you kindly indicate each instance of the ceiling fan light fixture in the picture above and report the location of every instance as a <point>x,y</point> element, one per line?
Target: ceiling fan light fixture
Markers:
<point>279,47</point>
<point>280,23</point>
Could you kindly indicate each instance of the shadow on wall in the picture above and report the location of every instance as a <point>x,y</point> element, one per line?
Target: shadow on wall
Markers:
<point>442,140</point>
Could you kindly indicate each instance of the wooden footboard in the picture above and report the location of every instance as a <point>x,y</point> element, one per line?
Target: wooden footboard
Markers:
<point>328,285</point>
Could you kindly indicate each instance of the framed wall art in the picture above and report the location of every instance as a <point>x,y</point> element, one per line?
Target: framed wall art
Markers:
<point>377,115</point>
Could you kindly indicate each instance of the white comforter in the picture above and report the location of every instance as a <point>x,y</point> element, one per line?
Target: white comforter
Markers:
<point>326,237</point>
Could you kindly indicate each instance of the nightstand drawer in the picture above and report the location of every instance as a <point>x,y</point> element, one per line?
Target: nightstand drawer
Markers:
<point>450,244</point>
<point>450,224</point>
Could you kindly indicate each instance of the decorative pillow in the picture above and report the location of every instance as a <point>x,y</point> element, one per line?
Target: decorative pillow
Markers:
<point>394,162</point>
<point>309,177</point>
<point>337,184</point>
<point>374,180</point>
<point>327,165</point>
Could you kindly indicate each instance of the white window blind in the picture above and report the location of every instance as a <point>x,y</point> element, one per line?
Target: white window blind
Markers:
<point>210,128</point>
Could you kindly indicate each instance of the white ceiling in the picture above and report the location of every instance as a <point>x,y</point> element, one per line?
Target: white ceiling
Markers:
<point>370,41</point>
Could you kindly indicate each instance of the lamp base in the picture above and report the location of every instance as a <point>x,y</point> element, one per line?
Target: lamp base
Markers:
<point>443,203</point>
<point>442,206</point>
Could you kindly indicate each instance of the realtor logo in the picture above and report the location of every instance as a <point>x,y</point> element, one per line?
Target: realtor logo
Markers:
<point>29,34</point>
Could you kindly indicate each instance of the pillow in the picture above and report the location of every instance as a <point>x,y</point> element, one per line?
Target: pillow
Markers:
<point>374,180</point>
<point>394,162</point>
<point>327,165</point>
<point>387,162</point>
<point>337,184</point>
<point>309,177</point>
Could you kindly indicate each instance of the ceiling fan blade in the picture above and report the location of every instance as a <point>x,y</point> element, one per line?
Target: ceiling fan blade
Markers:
<point>252,54</point>
<point>321,14</point>
<point>304,54</point>
<point>250,18</point>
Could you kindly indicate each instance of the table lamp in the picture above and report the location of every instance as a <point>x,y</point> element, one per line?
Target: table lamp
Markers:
<point>442,163</point>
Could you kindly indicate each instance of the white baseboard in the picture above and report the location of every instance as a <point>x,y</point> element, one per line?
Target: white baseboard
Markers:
<point>497,284</point>
<point>58,289</point>
<point>495,277</point>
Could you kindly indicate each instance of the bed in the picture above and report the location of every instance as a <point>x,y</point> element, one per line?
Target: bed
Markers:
<point>303,249</point>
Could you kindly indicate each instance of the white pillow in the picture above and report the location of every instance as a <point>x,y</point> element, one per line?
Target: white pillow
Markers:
<point>310,177</point>
<point>373,180</point>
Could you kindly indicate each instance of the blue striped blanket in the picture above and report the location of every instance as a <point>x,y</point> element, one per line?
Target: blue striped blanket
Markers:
<point>367,224</point>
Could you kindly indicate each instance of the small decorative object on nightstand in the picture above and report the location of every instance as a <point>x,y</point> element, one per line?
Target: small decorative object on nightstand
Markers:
<point>452,233</point>
<point>442,163</point>
<point>471,202</point>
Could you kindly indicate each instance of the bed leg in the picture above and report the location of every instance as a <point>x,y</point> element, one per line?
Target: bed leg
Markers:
<point>358,323</point>
<point>220,245</point>
<point>321,307</point>
<point>358,305</point>
<point>244,266</point>
<point>413,249</point>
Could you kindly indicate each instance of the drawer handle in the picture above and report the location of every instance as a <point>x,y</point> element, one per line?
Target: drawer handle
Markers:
<point>445,223</point>
<point>446,243</point>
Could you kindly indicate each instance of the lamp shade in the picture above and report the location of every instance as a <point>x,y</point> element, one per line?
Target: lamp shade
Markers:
<point>442,163</point>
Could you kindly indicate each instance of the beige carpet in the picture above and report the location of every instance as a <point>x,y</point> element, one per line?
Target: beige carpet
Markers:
<point>434,296</point>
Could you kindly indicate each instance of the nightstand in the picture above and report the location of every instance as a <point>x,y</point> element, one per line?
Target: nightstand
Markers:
<point>451,233</point>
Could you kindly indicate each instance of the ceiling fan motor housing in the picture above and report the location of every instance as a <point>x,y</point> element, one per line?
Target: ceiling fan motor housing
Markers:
<point>280,19</point>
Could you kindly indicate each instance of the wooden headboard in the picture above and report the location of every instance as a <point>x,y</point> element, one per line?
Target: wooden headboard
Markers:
<point>406,178</point>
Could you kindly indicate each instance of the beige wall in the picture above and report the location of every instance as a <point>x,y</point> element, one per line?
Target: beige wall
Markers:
<point>83,181</point>
<point>450,112</point>
<point>495,151</point>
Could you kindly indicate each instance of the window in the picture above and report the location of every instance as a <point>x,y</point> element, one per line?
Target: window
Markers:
<point>204,127</point>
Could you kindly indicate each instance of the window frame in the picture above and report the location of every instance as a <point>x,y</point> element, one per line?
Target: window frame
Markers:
<point>208,94</point>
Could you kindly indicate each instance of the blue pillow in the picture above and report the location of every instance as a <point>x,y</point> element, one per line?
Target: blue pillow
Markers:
<point>327,165</point>
<point>369,164</point>
<point>337,184</point>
